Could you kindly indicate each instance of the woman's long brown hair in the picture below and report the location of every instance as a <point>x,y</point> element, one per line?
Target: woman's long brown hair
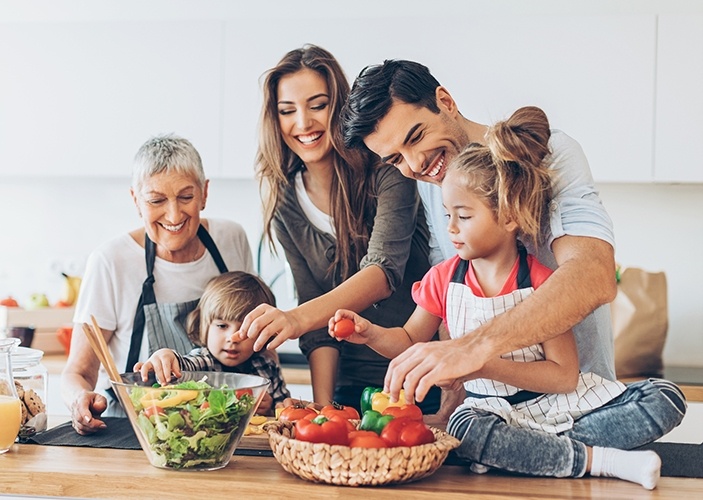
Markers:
<point>276,164</point>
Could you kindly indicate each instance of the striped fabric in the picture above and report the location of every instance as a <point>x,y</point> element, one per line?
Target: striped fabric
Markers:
<point>553,413</point>
<point>200,359</point>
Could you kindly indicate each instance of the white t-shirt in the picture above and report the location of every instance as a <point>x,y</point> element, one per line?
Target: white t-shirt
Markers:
<point>115,271</point>
<point>317,217</point>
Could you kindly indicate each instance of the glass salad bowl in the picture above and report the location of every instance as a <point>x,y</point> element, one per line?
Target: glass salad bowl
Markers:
<point>195,422</point>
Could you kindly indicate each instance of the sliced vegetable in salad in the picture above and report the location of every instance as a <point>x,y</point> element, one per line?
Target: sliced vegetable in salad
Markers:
<point>190,424</point>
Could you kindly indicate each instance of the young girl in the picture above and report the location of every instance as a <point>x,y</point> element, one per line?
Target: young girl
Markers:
<point>226,300</point>
<point>531,411</point>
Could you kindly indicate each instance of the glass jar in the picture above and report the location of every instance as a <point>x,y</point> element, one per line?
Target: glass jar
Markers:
<point>33,376</point>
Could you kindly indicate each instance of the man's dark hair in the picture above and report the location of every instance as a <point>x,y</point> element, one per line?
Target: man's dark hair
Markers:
<point>374,91</point>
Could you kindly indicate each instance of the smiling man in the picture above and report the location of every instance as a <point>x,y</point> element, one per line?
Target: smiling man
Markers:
<point>399,111</point>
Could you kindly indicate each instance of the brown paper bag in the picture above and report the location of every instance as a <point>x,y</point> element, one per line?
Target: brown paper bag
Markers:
<point>640,320</point>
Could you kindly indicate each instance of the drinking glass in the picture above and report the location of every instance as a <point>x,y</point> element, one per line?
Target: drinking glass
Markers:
<point>10,404</point>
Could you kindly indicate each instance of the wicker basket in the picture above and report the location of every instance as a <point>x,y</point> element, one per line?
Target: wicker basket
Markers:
<point>342,465</point>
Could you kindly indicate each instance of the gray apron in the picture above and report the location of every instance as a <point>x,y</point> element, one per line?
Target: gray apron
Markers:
<point>164,323</point>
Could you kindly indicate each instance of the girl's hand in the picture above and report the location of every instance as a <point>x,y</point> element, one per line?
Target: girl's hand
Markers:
<point>269,326</point>
<point>349,326</point>
<point>163,363</point>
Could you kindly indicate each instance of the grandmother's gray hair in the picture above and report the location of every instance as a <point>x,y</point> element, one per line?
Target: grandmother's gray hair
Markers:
<point>166,154</point>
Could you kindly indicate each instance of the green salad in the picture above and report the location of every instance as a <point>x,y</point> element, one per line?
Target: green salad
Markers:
<point>191,424</point>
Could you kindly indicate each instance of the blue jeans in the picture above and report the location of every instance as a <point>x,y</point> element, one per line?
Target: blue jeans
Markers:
<point>655,406</point>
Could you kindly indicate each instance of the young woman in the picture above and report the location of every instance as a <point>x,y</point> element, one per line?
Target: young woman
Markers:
<point>352,230</point>
<point>529,411</point>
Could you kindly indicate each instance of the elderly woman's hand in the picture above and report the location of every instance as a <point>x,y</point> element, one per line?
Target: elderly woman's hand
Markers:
<point>85,410</point>
<point>268,324</point>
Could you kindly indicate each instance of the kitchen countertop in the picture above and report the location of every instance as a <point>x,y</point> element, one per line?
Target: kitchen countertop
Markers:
<point>64,471</point>
<point>109,473</point>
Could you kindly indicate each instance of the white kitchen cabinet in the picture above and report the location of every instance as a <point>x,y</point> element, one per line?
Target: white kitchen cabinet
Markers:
<point>593,75</point>
<point>79,98</point>
<point>679,105</point>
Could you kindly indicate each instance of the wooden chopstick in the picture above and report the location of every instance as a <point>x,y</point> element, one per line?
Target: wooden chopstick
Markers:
<point>97,342</point>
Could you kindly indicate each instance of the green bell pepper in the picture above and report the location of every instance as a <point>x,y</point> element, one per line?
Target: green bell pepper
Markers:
<point>366,396</point>
<point>374,421</point>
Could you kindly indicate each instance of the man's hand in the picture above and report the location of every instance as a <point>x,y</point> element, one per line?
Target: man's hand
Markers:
<point>441,363</point>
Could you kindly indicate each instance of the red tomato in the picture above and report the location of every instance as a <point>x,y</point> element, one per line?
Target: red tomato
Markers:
<point>404,431</point>
<point>341,410</point>
<point>321,430</point>
<point>366,439</point>
<point>9,302</point>
<point>241,392</point>
<point>150,411</point>
<point>205,405</point>
<point>343,328</point>
<point>410,411</point>
<point>294,413</point>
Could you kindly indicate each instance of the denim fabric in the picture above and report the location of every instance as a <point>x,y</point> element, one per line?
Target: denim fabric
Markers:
<point>656,406</point>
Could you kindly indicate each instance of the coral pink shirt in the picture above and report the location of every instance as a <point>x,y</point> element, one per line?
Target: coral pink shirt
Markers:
<point>431,292</point>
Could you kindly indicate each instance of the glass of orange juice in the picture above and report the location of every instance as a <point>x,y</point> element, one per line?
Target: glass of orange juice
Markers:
<point>10,404</point>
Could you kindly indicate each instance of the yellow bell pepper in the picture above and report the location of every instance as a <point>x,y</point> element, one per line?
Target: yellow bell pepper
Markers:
<point>172,398</point>
<point>382,400</point>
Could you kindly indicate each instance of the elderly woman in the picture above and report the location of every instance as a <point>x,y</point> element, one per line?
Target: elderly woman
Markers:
<point>140,286</point>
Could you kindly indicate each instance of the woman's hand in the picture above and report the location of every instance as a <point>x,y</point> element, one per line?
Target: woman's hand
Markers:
<point>84,412</point>
<point>269,326</point>
<point>163,363</point>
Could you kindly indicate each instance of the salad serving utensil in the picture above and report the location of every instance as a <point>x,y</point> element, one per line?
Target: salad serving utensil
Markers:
<point>97,342</point>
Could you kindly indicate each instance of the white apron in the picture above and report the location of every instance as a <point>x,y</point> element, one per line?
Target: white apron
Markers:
<point>553,413</point>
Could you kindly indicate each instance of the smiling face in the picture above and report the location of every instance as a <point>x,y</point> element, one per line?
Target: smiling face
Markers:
<point>417,141</point>
<point>473,227</point>
<point>303,115</point>
<point>223,347</point>
<point>170,205</point>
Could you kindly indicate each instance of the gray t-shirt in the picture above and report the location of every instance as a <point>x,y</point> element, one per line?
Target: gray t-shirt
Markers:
<point>576,210</point>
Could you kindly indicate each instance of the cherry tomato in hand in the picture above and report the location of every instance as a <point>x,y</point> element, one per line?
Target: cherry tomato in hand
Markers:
<point>343,328</point>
